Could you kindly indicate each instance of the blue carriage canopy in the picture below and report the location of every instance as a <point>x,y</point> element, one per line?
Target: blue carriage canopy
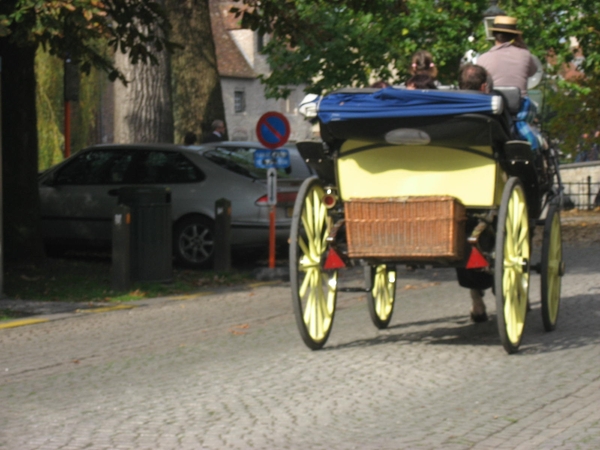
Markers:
<point>393,102</point>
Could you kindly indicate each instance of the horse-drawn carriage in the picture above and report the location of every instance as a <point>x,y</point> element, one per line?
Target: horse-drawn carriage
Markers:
<point>424,178</point>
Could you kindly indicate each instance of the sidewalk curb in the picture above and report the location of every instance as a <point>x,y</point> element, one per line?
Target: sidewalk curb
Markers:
<point>77,309</point>
<point>21,322</point>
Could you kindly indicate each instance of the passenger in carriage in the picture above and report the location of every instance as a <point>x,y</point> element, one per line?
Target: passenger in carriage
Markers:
<point>510,63</point>
<point>380,84</point>
<point>475,78</point>
<point>422,64</point>
<point>421,81</point>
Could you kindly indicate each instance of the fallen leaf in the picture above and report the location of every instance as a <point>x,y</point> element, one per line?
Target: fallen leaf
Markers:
<point>237,330</point>
<point>420,286</point>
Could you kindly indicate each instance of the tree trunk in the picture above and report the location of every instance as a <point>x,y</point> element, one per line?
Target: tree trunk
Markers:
<point>197,92</point>
<point>143,108</point>
<point>21,201</point>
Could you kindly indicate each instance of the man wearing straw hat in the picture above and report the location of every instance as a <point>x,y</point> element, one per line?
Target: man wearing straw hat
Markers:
<point>508,61</point>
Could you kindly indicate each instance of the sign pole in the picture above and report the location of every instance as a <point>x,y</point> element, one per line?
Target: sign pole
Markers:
<point>272,237</point>
<point>272,202</point>
<point>71,94</point>
<point>272,131</point>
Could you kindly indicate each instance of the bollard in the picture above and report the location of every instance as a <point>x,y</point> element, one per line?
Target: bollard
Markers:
<point>222,248</point>
<point>589,192</point>
<point>121,255</point>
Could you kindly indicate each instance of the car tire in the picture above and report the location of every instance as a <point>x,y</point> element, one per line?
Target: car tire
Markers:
<point>194,242</point>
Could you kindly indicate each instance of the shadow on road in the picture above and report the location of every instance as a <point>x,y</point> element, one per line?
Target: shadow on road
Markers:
<point>571,331</point>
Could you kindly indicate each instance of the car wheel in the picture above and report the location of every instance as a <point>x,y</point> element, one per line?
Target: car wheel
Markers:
<point>194,242</point>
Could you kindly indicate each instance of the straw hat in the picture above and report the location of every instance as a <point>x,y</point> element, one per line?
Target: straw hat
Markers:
<point>505,24</point>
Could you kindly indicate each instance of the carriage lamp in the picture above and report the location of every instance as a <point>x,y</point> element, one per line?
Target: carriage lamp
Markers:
<point>488,18</point>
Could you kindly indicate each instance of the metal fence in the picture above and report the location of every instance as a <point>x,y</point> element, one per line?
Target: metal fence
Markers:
<point>583,195</point>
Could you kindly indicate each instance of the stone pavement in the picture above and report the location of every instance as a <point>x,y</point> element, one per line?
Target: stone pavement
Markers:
<point>229,371</point>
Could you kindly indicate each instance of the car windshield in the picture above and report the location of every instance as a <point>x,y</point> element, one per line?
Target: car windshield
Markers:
<point>240,160</point>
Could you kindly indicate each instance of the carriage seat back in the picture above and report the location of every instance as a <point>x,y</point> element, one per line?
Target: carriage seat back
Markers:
<point>512,98</point>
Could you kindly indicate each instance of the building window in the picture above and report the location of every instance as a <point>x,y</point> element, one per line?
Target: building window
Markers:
<point>239,101</point>
<point>260,42</point>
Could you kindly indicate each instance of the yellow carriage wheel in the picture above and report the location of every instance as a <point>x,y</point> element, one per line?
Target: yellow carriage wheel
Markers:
<point>552,267</point>
<point>382,296</point>
<point>314,290</point>
<point>511,272</point>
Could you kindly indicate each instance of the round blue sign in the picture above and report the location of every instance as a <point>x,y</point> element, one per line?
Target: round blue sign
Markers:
<point>273,130</point>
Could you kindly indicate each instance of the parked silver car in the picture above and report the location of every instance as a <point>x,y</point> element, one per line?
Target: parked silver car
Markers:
<point>78,195</point>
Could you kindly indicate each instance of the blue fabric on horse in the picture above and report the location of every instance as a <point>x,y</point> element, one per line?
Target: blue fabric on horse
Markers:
<point>524,117</point>
<point>392,102</point>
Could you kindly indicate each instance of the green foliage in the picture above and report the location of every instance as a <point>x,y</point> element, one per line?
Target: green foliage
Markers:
<point>574,109</point>
<point>286,18</point>
<point>50,109</point>
<point>48,102</point>
<point>84,130</point>
<point>71,29</point>
<point>329,44</point>
<point>332,44</point>
<point>549,25</point>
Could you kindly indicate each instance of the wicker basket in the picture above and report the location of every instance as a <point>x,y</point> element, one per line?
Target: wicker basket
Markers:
<point>410,228</point>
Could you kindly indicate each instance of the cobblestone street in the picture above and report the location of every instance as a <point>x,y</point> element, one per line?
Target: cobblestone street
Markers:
<point>229,371</point>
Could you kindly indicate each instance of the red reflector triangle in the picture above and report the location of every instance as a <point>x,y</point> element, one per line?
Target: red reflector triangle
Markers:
<point>333,261</point>
<point>476,260</point>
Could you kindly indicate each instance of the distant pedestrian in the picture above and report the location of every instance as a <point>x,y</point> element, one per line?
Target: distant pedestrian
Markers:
<point>595,147</point>
<point>218,132</point>
<point>583,147</point>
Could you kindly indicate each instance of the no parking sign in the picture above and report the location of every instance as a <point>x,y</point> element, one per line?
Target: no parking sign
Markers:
<point>273,130</point>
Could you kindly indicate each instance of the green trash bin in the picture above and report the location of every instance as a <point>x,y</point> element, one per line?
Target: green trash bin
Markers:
<point>150,240</point>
